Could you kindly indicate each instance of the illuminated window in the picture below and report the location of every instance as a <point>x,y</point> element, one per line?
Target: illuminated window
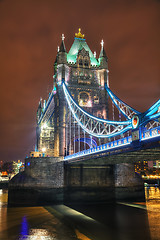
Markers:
<point>96,100</point>
<point>84,99</point>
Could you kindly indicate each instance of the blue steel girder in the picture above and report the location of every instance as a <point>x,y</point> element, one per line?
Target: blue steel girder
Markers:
<point>95,126</point>
<point>153,113</point>
<point>48,111</point>
<point>125,144</point>
<point>90,142</point>
<point>127,111</point>
<point>103,128</point>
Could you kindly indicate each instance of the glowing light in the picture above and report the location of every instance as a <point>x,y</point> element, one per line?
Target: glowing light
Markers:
<point>81,102</point>
<point>102,43</point>
<point>54,90</point>
<point>135,121</point>
<point>89,103</point>
<point>79,34</point>
<point>44,126</point>
<point>63,37</point>
<point>43,149</point>
<point>24,228</point>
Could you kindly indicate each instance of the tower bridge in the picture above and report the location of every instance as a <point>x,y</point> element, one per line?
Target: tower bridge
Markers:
<point>89,137</point>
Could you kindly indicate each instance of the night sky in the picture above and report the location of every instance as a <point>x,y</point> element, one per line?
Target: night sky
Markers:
<point>30,31</point>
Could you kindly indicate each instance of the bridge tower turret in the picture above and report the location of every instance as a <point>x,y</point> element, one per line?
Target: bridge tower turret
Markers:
<point>103,73</point>
<point>60,69</point>
<point>85,77</point>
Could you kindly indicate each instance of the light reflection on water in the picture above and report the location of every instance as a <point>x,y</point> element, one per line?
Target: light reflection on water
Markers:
<point>152,193</point>
<point>30,223</point>
<point>34,223</point>
<point>33,234</point>
<point>153,210</point>
<point>37,234</point>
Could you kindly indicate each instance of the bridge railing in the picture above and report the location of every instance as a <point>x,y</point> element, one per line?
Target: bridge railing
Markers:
<point>145,134</point>
<point>105,147</point>
<point>150,133</point>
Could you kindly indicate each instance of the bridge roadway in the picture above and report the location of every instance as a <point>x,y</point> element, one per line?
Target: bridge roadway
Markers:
<point>123,150</point>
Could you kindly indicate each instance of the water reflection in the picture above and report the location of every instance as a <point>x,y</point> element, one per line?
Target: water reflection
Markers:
<point>153,210</point>
<point>152,193</point>
<point>36,234</point>
<point>3,210</point>
<point>122,221</point>
<point>33,234</point>
<point>24,228</point>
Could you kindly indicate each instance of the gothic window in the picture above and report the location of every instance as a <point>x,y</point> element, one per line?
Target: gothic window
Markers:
<point>51,146</point>
<point>84,99</point>
<point>86,63</point>
<point>75,73</point>
<point>96,100</point>
<point>80,62</point>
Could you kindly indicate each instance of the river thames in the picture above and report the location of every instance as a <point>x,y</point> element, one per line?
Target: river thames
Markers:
<point>120,221</point>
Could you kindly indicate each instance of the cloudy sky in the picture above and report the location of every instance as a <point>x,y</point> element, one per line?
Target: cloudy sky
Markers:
<point>30,31</point>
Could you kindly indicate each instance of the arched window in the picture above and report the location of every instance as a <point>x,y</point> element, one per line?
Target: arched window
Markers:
<point>96,100</point>
<point>84,99</point>
<point>80,62</point>
<point>86,64</point>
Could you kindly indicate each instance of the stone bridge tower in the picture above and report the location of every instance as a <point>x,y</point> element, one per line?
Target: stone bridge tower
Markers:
<point>86,76</point>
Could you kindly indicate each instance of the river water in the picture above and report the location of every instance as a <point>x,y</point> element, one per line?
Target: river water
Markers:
<point>120,221</point>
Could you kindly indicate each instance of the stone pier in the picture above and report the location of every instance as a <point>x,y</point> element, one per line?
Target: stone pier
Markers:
<point>50,180</point>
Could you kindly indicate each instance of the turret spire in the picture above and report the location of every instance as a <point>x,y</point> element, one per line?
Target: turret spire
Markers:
<point>102,43</point>
<point>62,47</point>
<point>103,53</point>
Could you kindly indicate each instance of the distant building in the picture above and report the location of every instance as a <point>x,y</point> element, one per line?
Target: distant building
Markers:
<point>17,166</point>
<point>148,168</point>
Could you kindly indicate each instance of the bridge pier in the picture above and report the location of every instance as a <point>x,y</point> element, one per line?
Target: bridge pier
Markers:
<point>128,184</point>
<point>42,183</point>
<point>50,180</point>
<point>88,183</point>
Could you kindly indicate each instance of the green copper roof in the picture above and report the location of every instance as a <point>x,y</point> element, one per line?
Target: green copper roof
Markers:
<point>77,45</point>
